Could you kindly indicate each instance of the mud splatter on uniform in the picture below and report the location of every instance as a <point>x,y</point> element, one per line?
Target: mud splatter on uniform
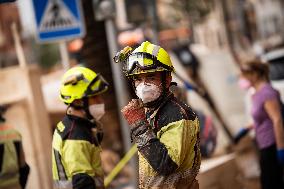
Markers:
<point>168,145</point>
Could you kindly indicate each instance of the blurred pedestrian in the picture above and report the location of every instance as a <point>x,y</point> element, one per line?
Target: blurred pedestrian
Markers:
<point>165,130</point>
<point>76,161</point>
<point>14,170</point>
<point>268,123</point>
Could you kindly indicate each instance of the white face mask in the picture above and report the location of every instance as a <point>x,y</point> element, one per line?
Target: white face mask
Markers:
<point>97,111</point>
<point>244,84</point>
<point>148,92</point>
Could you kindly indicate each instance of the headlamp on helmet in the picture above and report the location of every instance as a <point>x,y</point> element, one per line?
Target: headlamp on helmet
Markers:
<point>144,59</point>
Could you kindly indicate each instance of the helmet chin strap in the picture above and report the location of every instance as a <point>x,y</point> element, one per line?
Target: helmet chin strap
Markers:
<point>86,109</point>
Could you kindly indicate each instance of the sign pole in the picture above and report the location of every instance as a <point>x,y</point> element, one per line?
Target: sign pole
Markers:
<point>154,18</point>
<point>120,88</point>
<point>64,55</point>
<point>105,11</point>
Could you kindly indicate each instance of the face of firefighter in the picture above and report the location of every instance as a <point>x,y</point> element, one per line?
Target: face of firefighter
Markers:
<point>148,86</point>
<point>96,107</point>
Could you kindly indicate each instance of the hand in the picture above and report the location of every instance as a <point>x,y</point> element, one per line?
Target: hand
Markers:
<point>134,111</point>
<point>242,132</point>
<point>280,156</point>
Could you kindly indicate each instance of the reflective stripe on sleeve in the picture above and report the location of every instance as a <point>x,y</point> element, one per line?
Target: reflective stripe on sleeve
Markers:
<point>62,184</point>
<point>60,168</point>
<point>7,176</point>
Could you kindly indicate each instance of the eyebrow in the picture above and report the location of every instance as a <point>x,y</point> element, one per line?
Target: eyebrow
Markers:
<point>136,77</point>
<point>151,75</point>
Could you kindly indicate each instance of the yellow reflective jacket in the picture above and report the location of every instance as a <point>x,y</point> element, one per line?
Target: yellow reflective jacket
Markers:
<point>76,161</point>
<point>168,146</point>
<point>10,146</point>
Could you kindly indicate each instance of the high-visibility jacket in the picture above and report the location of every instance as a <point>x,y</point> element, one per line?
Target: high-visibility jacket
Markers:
<point>168,146</point>
<point>76,161</point>
<point>10,157</point>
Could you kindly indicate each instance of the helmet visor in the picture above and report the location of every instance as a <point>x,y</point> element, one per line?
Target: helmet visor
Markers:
<point>142,61</point>
<point>94,88</point>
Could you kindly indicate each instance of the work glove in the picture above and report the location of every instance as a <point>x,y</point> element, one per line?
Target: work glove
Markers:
<point>140,133</point>
<point>280,156</point>
<point>134,112</point>
<point>242,133</point>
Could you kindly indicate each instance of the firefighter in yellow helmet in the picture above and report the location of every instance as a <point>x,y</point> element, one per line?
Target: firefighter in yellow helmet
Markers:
<point>76,141</point>
<point>165,130</point>
<point>14,170</point>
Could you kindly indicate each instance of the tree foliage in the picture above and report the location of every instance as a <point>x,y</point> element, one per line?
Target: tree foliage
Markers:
<point>197,9</point>
<point>191,10</point>
<point>47,55</point>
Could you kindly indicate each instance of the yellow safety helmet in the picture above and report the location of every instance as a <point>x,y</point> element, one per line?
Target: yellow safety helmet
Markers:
<point>80,82</point>
<point>147,58</point>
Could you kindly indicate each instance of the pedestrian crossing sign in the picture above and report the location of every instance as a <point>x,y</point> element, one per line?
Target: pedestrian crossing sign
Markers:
<point>58,19</point>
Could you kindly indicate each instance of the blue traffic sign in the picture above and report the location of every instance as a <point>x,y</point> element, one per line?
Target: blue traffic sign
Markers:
<point>58,19</point>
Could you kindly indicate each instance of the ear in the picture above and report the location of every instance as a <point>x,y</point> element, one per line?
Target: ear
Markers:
<point>78,102</point>
<point>168,80</point>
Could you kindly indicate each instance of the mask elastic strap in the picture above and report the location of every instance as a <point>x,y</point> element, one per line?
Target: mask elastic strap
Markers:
<point>164,83</point>
<point>86,109</point>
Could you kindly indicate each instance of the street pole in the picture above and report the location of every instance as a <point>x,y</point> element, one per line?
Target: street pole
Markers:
<point>64,55</point>
<point>118,79</point>
<point>152,6</point>
<point>121,91</point>
<point>282,8</point>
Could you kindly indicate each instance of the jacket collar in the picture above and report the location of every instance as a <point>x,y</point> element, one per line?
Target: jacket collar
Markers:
<point>153,112</point>
<point>81,121</point>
